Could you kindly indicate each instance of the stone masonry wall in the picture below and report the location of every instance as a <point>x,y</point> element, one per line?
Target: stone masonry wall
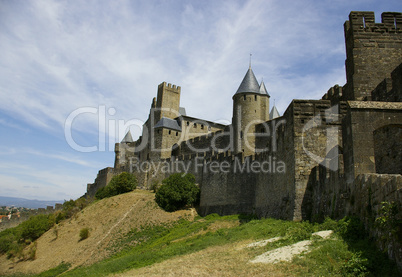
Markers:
<point>373,50</point>
<point>388,149</point>
<point>102,179</point>
<point>362,119</point>
<point>389,90</point>
<point>368,191</point>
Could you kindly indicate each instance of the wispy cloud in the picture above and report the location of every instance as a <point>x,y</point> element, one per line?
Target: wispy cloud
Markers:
<point>67,157</point>
<point>20,179</point>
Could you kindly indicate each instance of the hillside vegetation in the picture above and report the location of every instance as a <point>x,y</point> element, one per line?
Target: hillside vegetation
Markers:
<point>129,235</point>
<point>107,220</point>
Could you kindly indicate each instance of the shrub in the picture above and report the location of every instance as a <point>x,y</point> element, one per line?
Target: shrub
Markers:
<point>35,227</point>
<point>351,229</point>
<point>122,183</point>
<point>177,191</point>
<point>84,233</point>
<point>356,265</point>
<point>297,233</point>
<point>7,238</point>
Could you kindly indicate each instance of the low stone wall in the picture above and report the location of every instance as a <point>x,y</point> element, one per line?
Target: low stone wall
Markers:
<point>368,192</point>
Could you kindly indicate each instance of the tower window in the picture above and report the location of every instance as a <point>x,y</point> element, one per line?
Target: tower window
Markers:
<point>202,126</point>
<point>188,123</point>
<point>195,125</point>
<point>177,133</point>
<point>255,97</point>
<point>170,132</point>
<point>241,134</point>
<point>244,97</point>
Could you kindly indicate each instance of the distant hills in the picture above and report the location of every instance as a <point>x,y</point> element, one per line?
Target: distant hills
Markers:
<point>27,203</point>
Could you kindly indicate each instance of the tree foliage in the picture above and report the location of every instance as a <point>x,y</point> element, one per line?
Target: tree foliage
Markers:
<point>177,191</point>
<point>122,183</point>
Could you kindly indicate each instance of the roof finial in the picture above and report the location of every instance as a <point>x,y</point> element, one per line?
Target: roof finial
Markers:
<point>250,61</point>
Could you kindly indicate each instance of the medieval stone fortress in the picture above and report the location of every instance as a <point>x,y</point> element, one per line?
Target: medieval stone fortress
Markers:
<point>336,156</point>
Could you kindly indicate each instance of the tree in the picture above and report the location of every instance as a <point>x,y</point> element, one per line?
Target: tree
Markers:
<point>177,191</point>
<point>122,183</point>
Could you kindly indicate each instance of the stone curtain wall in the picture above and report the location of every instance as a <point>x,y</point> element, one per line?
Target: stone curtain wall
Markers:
<point>389,90</point>
<point>362,119</point>
<point>388,149</point>
<point>367,193</point>
<point>102,179</point>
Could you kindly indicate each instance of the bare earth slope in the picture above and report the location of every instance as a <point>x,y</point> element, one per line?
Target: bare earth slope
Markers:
<point>107,220</point>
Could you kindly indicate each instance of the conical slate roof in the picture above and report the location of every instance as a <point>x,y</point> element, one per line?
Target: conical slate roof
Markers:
<point>274,113</point>
<point>127,137</point>
<point>263,89</point>
<point>249,83</point>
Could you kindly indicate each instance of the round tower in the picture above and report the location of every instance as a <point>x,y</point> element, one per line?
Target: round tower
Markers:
<point>250,107</point>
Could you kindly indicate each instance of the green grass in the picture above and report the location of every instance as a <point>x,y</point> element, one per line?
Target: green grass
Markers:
<point>348,255</point>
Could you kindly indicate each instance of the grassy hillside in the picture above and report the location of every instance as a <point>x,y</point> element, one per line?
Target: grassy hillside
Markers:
<point>107,220</point>
<point>142,240</point>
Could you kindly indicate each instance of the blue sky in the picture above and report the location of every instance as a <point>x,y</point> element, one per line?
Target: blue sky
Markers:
<point>60,59</point>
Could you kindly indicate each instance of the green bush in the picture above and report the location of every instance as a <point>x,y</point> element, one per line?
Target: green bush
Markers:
<point>351,229</point>
<point>177,191</point>
<point>7,238</point>
<point>84,233</point>
<point>356,265</point>
<point>122,183</point>
<point>36,226</point>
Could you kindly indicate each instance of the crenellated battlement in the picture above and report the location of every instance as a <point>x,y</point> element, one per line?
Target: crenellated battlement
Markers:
<point>391,22</point>
<point>169,86</point>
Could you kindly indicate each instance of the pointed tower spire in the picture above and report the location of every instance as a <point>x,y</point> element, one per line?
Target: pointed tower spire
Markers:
<point>263,89</point>
<point>274,113</point>
<point>249,83</point>
<point>127,138</point>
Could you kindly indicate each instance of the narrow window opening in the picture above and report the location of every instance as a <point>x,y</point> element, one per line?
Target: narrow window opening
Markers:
<point>202,126</point>
<point>148,156</point>
<point>241,134</point>
<point>188,123</point>
<point>177,133</point>
<point>255,97</point>
<point>244,98</point>
<point>195,125</point>
<point>170,132</point>
<point>255,111</point>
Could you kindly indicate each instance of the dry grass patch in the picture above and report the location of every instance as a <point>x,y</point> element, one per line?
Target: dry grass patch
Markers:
<point>108,220</point>
<point>225,260</point>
